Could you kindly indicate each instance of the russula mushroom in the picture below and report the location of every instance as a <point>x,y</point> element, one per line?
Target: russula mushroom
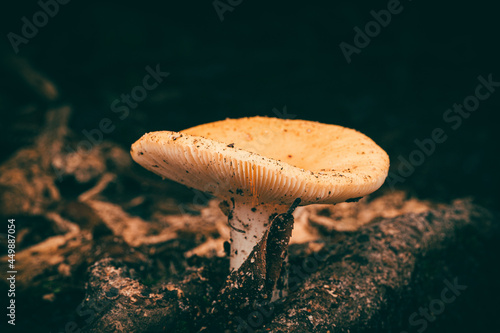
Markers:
<point>259,166</point>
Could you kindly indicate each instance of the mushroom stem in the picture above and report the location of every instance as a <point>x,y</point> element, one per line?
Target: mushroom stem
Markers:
<point>248,224</point>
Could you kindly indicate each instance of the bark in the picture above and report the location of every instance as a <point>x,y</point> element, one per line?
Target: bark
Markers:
<point>369,280</point>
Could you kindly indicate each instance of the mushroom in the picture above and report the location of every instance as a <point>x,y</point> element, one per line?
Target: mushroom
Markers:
<point>260,166</point>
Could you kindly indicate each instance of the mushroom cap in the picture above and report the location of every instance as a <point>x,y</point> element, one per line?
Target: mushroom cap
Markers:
<point>267,160</point>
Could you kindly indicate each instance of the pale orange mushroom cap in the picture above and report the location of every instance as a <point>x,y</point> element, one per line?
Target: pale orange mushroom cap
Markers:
<point>267,160</point>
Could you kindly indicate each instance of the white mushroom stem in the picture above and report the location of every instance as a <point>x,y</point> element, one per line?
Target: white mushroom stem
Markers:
<point>248,224</point>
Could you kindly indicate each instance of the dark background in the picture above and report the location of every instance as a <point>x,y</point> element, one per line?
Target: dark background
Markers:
<point>267,55</point>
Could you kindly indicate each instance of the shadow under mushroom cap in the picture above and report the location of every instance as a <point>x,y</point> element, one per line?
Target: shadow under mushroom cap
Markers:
<point>267,160</point>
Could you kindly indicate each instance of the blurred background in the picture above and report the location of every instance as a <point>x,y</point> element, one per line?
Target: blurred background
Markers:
<point>246,58</point>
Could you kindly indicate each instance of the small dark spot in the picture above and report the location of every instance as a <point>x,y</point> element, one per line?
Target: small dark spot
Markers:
<point>227,248</point>
<point>363,238</point>
<point>187,171</point>
<point>289,156</point>
<point>359,259</point>
<point>224,207</point>
<point>112,293</point>
<point>141,153</point>
<point>324,212</point>
<point>231,145</point>
<point>254,209</point>
<point>354,199</point>
<point>239,191</point>
<point>155,166</point>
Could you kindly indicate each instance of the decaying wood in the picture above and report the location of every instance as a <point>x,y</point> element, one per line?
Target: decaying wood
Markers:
<point>362,281</point>
<point>134,230</point>
<point>123,304</point>
<point>27,181</point>
<point>375,278</point>
<point>56,255</point>
<point>349,216</point>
